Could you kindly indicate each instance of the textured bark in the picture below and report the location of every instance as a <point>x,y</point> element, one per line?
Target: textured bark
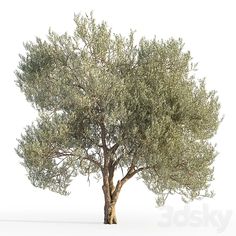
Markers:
<point>110,197</point>
<point>111,194</point>
<point>110,213</point>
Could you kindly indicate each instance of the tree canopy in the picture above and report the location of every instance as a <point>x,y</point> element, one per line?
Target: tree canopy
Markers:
<point>107,103</point>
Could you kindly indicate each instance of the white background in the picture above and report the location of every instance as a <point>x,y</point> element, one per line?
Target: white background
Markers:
<point>208,30</point>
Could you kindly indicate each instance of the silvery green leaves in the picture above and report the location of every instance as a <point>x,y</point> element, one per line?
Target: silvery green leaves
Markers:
<point>184,167</point>
<point>99,93</point>
<point>48,152</point>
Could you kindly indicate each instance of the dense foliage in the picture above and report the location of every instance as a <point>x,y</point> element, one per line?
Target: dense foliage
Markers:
<point>106,103</point>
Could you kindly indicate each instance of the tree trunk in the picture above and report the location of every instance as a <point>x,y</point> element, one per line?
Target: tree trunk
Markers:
<point>110,214</point>
<point>110,204</point>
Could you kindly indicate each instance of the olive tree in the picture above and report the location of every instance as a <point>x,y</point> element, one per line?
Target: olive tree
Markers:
<point>106,103</point>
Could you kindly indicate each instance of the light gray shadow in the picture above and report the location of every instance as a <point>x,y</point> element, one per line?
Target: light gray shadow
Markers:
<point>51,221</point>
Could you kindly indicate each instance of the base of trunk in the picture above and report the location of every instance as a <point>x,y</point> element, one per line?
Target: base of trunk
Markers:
<point>110,215</point>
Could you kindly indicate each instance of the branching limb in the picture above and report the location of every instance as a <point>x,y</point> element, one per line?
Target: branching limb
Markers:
<point>116,162</point>
<point>91,159</point>
<point>132,171</point>
<point>114,148</point>
<point>103,137</point>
